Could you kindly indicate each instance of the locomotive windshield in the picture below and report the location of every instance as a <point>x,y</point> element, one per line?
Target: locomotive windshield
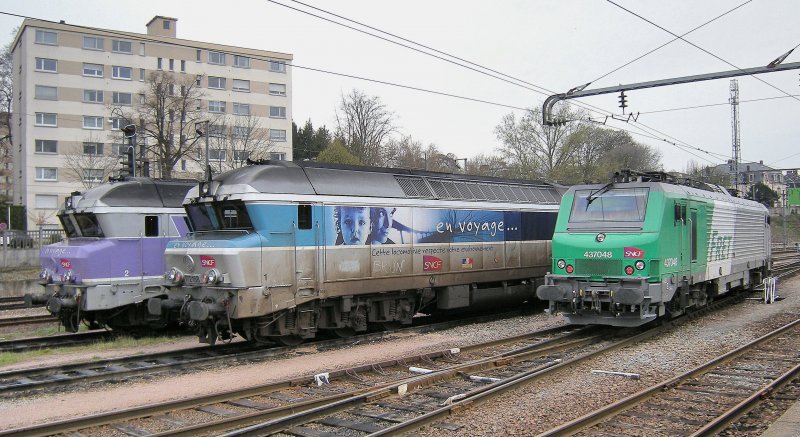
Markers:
<point>611,205</point>
<point>88,225</point>
<point>217,216</point>
<point>69,228</point>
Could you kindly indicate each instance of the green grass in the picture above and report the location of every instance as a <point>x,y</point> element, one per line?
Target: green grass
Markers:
<point>121,342</point>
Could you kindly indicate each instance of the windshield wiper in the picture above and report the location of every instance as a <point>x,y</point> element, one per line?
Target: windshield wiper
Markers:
<point>590,198</point>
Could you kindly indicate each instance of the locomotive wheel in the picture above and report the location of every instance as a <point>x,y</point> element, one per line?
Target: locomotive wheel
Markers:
<point>288,340</point>
<point>344,332</point>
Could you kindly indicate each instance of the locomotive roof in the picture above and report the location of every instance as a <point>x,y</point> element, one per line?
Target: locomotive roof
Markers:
<point>311,178</point>
<point>137,192</point>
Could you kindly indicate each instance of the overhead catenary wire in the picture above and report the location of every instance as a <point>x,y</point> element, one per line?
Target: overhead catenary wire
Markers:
<point>144,38</point>
<point>582,104</point>
<point>700,48</point>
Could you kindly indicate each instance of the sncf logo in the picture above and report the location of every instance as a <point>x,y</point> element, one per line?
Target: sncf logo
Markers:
<point>633,252</point>
<point>431,263</point>
<point>66,263</point>
<point>207,261</point>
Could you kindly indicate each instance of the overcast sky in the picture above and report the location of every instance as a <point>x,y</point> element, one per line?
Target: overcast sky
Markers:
<point>553,44</point>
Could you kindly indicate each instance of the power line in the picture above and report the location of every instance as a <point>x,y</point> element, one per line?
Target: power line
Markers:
<point>670,42</point>
<point>656,111</point>
<point>441,52</point>
<point>700,48</point>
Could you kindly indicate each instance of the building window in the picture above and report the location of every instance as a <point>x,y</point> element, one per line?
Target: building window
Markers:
<point>216,106</point>
<point>45,37</point>
<point>46,146</point>
<point>116,122</point>
<point>118,72</point>
<point>93,149</point>
<point>216,154</point>
<point>93,96</point>
<point>171,65</point>
<point>277,111</point>
<point>183,164</point>
<point>121,46</point>
<point>93,70</point>
<point>277,134</point>
<point>241,85</point>
<point>241,155</point>
<point>141,98</point>
<point>166,24</point>
<point>118,149</point>
<point>42,92</point>
<point>92,122</point>
<point>183,66</point>
<point>93,175</point>
<point>216,82</point>
<point>92,43</point>
<point>198,104</point>
<point>216,58</point>
<point>277,89</point>
<point>46,119</point>
<point>240,132</point>
<point>141,49</point>
<point>122,98</point>
<point>216,130</point>
<point>277,156</point>
<point>47,65</point>
<point>241,61</point>
<point>277,66</point>
<point>159,63</point>
<point>141,75</point>
<point>241,108</point>
<point>199,55</point>
<point>750,177</point>
<point>198,80</point>
<point>46,201</point>
<point>49,174</point>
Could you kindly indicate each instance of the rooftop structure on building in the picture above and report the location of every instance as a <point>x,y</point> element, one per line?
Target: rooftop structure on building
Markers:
<point>75,85</point>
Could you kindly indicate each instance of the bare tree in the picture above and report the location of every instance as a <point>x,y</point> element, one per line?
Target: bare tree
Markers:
<point>234,139</point>
<point>166,119</point>
<point>533,149</point>
<point>88,163</point>
<point>488,165</point>
<point>364,123</point>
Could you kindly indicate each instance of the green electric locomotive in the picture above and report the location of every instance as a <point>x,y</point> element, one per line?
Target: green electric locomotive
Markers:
<point>647,246</point>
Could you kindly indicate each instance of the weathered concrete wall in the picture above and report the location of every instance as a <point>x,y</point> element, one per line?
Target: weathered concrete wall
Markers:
<point>24,258</point>
<point>19,288</point>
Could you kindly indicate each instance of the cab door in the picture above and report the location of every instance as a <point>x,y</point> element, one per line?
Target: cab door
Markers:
<point>307,249</point>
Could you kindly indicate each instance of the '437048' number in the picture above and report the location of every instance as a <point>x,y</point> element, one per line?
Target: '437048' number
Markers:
<point>597,254</point>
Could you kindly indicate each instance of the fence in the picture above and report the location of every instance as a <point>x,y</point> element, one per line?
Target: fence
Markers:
<point>18,239</point>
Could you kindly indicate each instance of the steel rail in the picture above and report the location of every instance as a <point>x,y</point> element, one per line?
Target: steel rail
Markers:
<point>615,408</point>
<point>27,320</point>
<point>60,340</point>
<point>69,425</point>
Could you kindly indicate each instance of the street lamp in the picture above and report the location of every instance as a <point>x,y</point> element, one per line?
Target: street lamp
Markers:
<point>201,128</point>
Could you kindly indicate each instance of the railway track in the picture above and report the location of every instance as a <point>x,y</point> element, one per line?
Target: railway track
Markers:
<point>27,320</point>
<point>703,400</point>
<point>24,381</point>
<point>55,341</point>
<point>12,303</point>
<point>288,403</point>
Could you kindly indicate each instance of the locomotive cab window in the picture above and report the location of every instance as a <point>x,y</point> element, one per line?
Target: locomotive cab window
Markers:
<point>609,205</point>
<point>218,216</point>
<point>151,226</point>
<point>304,216</point>
<point>88,225</point>
<point>66,223</point>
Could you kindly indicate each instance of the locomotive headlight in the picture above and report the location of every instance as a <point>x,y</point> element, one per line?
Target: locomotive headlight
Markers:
<point>68,277</point>
<point>639,265</point>
<point>174,276</point>
<point>561,264</point>
<point>211,277</point>
<point>569,268</point>
<point>628,270</point>
<point>45,277</point>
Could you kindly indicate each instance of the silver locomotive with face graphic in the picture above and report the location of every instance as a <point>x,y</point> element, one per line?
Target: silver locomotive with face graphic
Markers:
<point>283,250</point>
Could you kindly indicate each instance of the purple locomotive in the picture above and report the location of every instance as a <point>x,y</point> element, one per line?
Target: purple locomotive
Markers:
<point>113,258</point>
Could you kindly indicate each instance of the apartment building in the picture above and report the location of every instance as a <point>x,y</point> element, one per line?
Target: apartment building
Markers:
<point>72,83</point>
